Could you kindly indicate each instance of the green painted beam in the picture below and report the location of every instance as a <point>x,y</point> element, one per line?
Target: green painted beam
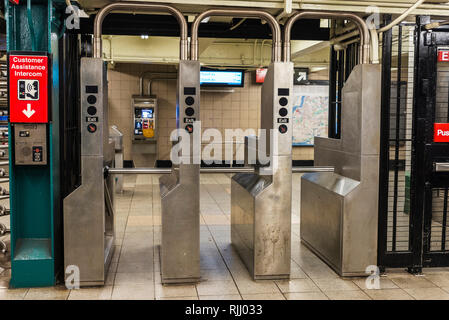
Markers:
<point>36,223</point>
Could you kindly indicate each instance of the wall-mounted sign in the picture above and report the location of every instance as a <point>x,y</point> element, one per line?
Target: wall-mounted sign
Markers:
<point>300,76</point>
<point>261,74</point>
<point>14,1</point>
<point>443,55</point>
<point>28,88</point>
<point>441,132</point>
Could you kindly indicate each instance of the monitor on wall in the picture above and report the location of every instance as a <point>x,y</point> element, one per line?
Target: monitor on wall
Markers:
<point>222,78</point>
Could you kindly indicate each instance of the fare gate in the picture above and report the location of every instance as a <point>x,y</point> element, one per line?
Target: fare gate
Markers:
<point>413,212</point>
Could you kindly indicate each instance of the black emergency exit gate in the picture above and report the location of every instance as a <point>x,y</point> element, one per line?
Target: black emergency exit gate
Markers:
<point>413,200</point>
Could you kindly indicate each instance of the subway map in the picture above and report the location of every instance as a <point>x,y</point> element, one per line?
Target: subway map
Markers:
<point>310,115</point>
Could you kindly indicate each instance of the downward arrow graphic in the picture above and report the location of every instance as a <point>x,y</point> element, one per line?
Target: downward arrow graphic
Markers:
<point>28,112</point>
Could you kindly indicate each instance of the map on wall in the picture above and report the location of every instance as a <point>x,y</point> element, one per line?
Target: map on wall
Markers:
<point>310,114</point>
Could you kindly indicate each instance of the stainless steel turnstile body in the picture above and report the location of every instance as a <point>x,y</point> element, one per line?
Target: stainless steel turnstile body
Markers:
<point>88,210</point>
<point>261,201</point>
<point>339,210</point>
<point>180,190</point>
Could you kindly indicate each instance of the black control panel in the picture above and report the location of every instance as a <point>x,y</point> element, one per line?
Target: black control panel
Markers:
<point>91,92</point>
<point>189,112</point>
<point>283,119</point>
<point>37,153</point>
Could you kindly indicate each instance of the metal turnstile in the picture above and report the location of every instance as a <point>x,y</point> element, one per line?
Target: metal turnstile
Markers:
<point>180,190</point>
<point>88,210</point>
<point>339,210</point>
<point>261,201</point>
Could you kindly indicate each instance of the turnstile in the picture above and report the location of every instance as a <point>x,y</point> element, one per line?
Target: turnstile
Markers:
<point>339,210</point>
<point>261,201</point>
<point>180,190</point>
<point>88,210</point>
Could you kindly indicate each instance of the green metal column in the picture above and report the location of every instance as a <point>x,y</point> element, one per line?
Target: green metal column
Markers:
<point>36,230</point>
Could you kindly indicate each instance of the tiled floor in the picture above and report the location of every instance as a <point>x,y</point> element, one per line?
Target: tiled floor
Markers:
<point>134,272</point>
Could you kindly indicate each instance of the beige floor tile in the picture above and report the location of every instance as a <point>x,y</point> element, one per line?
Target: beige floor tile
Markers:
<point>297,285</point>
<point>428,293</point>
<point>12,294</point>
<point>306,296</point>
<point>135,267</point>
<point>347,295</point>
<point>133,292</point>
<point>216,219</point>
<point>409,281</point>
<point>110,278</point>
<point>383,284</point>
<point>178,298</point>
<point>100,293</point>
<point>122,279</point>
<point>172,291</point>
<point>335,284</point>
<point>215,274</point>
<point>206,288</point>
<point>252,287</point>
<point>388,294</point>
<point>54,293</point>
<point>440,280</point>
<point>297,273</point>
<point>222,297</point>
<point>263,296</point>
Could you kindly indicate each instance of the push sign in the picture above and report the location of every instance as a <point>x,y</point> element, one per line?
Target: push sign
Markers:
<point>441,132</point>
<point>28,88</point>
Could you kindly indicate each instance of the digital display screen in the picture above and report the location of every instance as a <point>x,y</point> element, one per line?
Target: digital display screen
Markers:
<point>147,113</point>
<point>221,78</point>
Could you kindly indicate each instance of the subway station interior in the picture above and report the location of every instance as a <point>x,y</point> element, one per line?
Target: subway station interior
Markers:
<point>224,150</point>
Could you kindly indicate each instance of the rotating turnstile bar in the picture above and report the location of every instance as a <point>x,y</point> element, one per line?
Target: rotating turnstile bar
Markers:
<point>208,170</point>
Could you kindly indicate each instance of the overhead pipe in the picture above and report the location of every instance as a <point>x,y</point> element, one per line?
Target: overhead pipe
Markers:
<point>143,76</point>
<point>244,13</point>
<point>141,6</point>
<point>361,25</point>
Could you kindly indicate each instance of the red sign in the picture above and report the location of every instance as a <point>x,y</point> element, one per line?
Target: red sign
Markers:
<point>28,88</point>
<point>14,1</point>
<point>260,75</point>
<point>441,132</point>
<point>443,55</point>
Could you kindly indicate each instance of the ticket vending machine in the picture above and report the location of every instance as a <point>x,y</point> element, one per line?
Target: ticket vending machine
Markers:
<point>144,118</point>
<point>89,209</point>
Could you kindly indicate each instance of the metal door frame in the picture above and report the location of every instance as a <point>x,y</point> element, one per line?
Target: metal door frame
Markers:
<point>424,151</point>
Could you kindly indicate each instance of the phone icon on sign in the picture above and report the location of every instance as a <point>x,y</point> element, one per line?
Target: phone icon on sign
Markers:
<point>28,90</point>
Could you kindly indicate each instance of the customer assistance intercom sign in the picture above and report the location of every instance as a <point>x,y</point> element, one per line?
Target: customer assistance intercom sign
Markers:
<point>28,88</point>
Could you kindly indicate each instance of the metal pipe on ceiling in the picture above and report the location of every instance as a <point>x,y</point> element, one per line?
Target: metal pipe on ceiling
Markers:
<point>361,25</point>
<point>244,13</point>
<point>141,6</point>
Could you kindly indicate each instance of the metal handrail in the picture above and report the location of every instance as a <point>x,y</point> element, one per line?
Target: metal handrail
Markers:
<point>360,23</point>
<point>130,6</point>
<point>210,170</point>
<point>244,13</point>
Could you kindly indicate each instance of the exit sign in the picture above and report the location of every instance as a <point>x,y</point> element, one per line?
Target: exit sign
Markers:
<point>443,55</point>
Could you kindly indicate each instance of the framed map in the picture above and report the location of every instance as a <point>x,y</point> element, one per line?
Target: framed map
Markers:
<point>310,113</point>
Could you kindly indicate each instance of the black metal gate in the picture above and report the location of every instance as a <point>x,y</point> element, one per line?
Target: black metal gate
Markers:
<point>413,199</point>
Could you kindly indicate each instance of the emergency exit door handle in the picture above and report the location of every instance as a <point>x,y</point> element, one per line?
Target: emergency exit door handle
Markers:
<point>441,166</point>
